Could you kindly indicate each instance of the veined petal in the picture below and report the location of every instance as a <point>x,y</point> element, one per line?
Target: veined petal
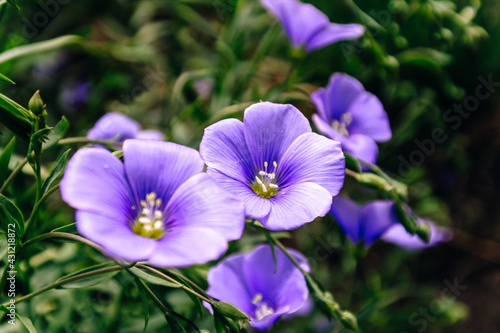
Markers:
<point>369,118</point>
<point>186,246</point>
<point>200,202</point>
<point>326,129</point>
<point>95,181</point>
<point>318,98</point>
<point>400,237</point>
<point>255,206</point>
<point>377,217</point>
<point>348,215</point>
<point>333,33</point>
<point>223,147</point>
<point>341,92</point>
<point>115,236</point>
<point>114,125</point>
<point>362,147</point>
<point>297,205</point>
<point>270,129</point>
<point>160,167</point>
<point>313,158</point>
<point>150,134</point>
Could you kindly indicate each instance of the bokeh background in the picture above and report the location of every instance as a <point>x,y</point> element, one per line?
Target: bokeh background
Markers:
<point>180,65</point>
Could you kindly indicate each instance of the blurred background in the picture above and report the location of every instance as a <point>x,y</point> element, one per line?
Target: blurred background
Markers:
<point>180,65</point>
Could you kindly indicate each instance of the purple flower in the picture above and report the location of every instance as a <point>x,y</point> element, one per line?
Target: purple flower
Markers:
<point>74,96</point>
<point>285,174</point>
<point>157,206</point>
<point>351,115</point>
<point>378,219</point>
<point>307,26</point>
<point>116,126</point>
<point>249,282</point>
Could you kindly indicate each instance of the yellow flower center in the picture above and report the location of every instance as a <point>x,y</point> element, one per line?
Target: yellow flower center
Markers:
<point>265,184</point>
<point>150,222</point>
<point>262,308</point>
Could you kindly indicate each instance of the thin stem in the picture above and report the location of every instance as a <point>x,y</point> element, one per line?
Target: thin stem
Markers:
<point>157,301</point>
<point>84,139</point>
<point>36,208</point>
<point>18,168</point>
<point>351,173</point>
<point>189,281</point>
<point>62,235</point>
<point>67,280</point>
<point>183,286</point>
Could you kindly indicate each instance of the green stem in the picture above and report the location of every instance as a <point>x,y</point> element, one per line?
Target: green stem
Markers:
<point>84,139</point>
<point>36,208</point>
<point>181,285</point>
<point>18,168</point>
<point>62,235</point>
<point>67,280</point>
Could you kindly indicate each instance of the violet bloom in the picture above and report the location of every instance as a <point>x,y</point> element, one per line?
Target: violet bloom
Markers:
<point>118,127</point>
<point>157,206</point>
<point>378,220</point>
<point>285,174</point>
<point>351,115</point>
<point>249,282</point>
<point>308,27</point>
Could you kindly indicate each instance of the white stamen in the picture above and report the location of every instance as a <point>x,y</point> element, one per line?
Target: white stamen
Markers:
<point>265,178</point>
<point>273,186</point>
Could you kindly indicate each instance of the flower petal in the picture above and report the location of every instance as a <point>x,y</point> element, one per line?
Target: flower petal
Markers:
<point>341,92</point>
<point>333,33</point>
<point>255,206</point>
<point>200,202</point>
<point>313,158</point>
<point>115,236</point>
<point>186,246</point>
<point>223,147</point>
<point>369,118</point>
<point>270,129</point>
<point>348,215</point>
<point>227,283</point>
<point>362,147</point>
<point>297,205</point>
<point>377,217</point>
<point>95,181</point>
<point>150,134</point>
<point>160,167</point>
<point>400,237</point>
<point>114,125</point>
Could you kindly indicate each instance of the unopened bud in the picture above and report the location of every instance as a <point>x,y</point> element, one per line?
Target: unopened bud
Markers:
<point>36,104</point>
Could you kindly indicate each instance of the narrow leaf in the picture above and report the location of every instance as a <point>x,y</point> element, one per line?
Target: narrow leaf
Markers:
<point>70,229</point>
<point>230,310</point>
<point>144,302</point>
<point>89,281</point>
<point>57,133</point>
<point>27,323</point>
<point>174,324</point>
<point>15,117</point>
<point>5,159</point>
<point>56,172</point>
<point>14,3</point>
<point>10,214</point>
<point>6,79</point>
<point>153,279</point>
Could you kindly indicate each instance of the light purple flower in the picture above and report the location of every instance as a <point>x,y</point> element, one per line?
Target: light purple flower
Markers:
<point>249,282</point>
<point>307,26</point>
<point>285,174</point>
<point>116,126</point>
<point>351,115</point>
<point>157,206</point>
<point>378,220</point>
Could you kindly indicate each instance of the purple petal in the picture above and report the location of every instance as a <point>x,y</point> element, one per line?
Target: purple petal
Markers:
<point>270,129</point>
<point>377,217</point>
<point>333,33</point>
<point>400,237</point>
<point>115,236</point>
<point>200,202</point>
<point>160,167</point>
<point>223,147</point>
<point>326,129</point>
<point>186,246</point>
<point>362,147</point>
<point>341,92</point>
<point>114,126</point>
<point>301,21</point>
<point>318,98</point>
<point>150,135</point>
<point>95,181</point>
<point>227,283</point>
<point>313,158</point>
<point>369,118</point>
<point>297,205</point>
<point>255,206</point>
<point>348,215</point>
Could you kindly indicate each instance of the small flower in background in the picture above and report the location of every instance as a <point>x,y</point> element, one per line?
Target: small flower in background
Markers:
<point>74,96</point>
<point>350,114</point>
<point>378,220</point>
<point>285,174</point>
<point>308,27</point>
<point>116,126</point>
<point>249,282</point>
<point>156,206</point>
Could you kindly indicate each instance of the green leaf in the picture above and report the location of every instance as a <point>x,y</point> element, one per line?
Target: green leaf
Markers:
<point>194,298</point>
<point>15,117</point>
<point>230,310</point>
<point>10,214</point>
<point>89,281</point>
<point>56,172</point>
<point>6,79</point>
<point>70,229</point>
<point>352,162</point>
<point>5,159</point>
<point>27,323</point>
<point>14,3</point>
<point>57,133</point>
<point>40,135</point>
<point>144,302</point>
<point>153,279</point>
<point>175,325</point>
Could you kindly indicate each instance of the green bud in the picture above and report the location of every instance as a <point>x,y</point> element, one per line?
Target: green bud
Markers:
<point>229,310</point>
<point>424,232</point>
<point>348,319</point>
<point>374,180</point>
<point>36,104</point>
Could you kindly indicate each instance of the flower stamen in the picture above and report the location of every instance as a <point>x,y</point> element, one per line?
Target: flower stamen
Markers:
<point>265,185</point>
<point>342,124</point>
<point>150,222</point>
<point>262,308</point>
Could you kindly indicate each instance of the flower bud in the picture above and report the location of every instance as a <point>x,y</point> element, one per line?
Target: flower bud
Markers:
<point>36,104</point>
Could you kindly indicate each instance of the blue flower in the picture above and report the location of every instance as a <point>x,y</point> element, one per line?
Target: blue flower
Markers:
<point>285,174</point>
